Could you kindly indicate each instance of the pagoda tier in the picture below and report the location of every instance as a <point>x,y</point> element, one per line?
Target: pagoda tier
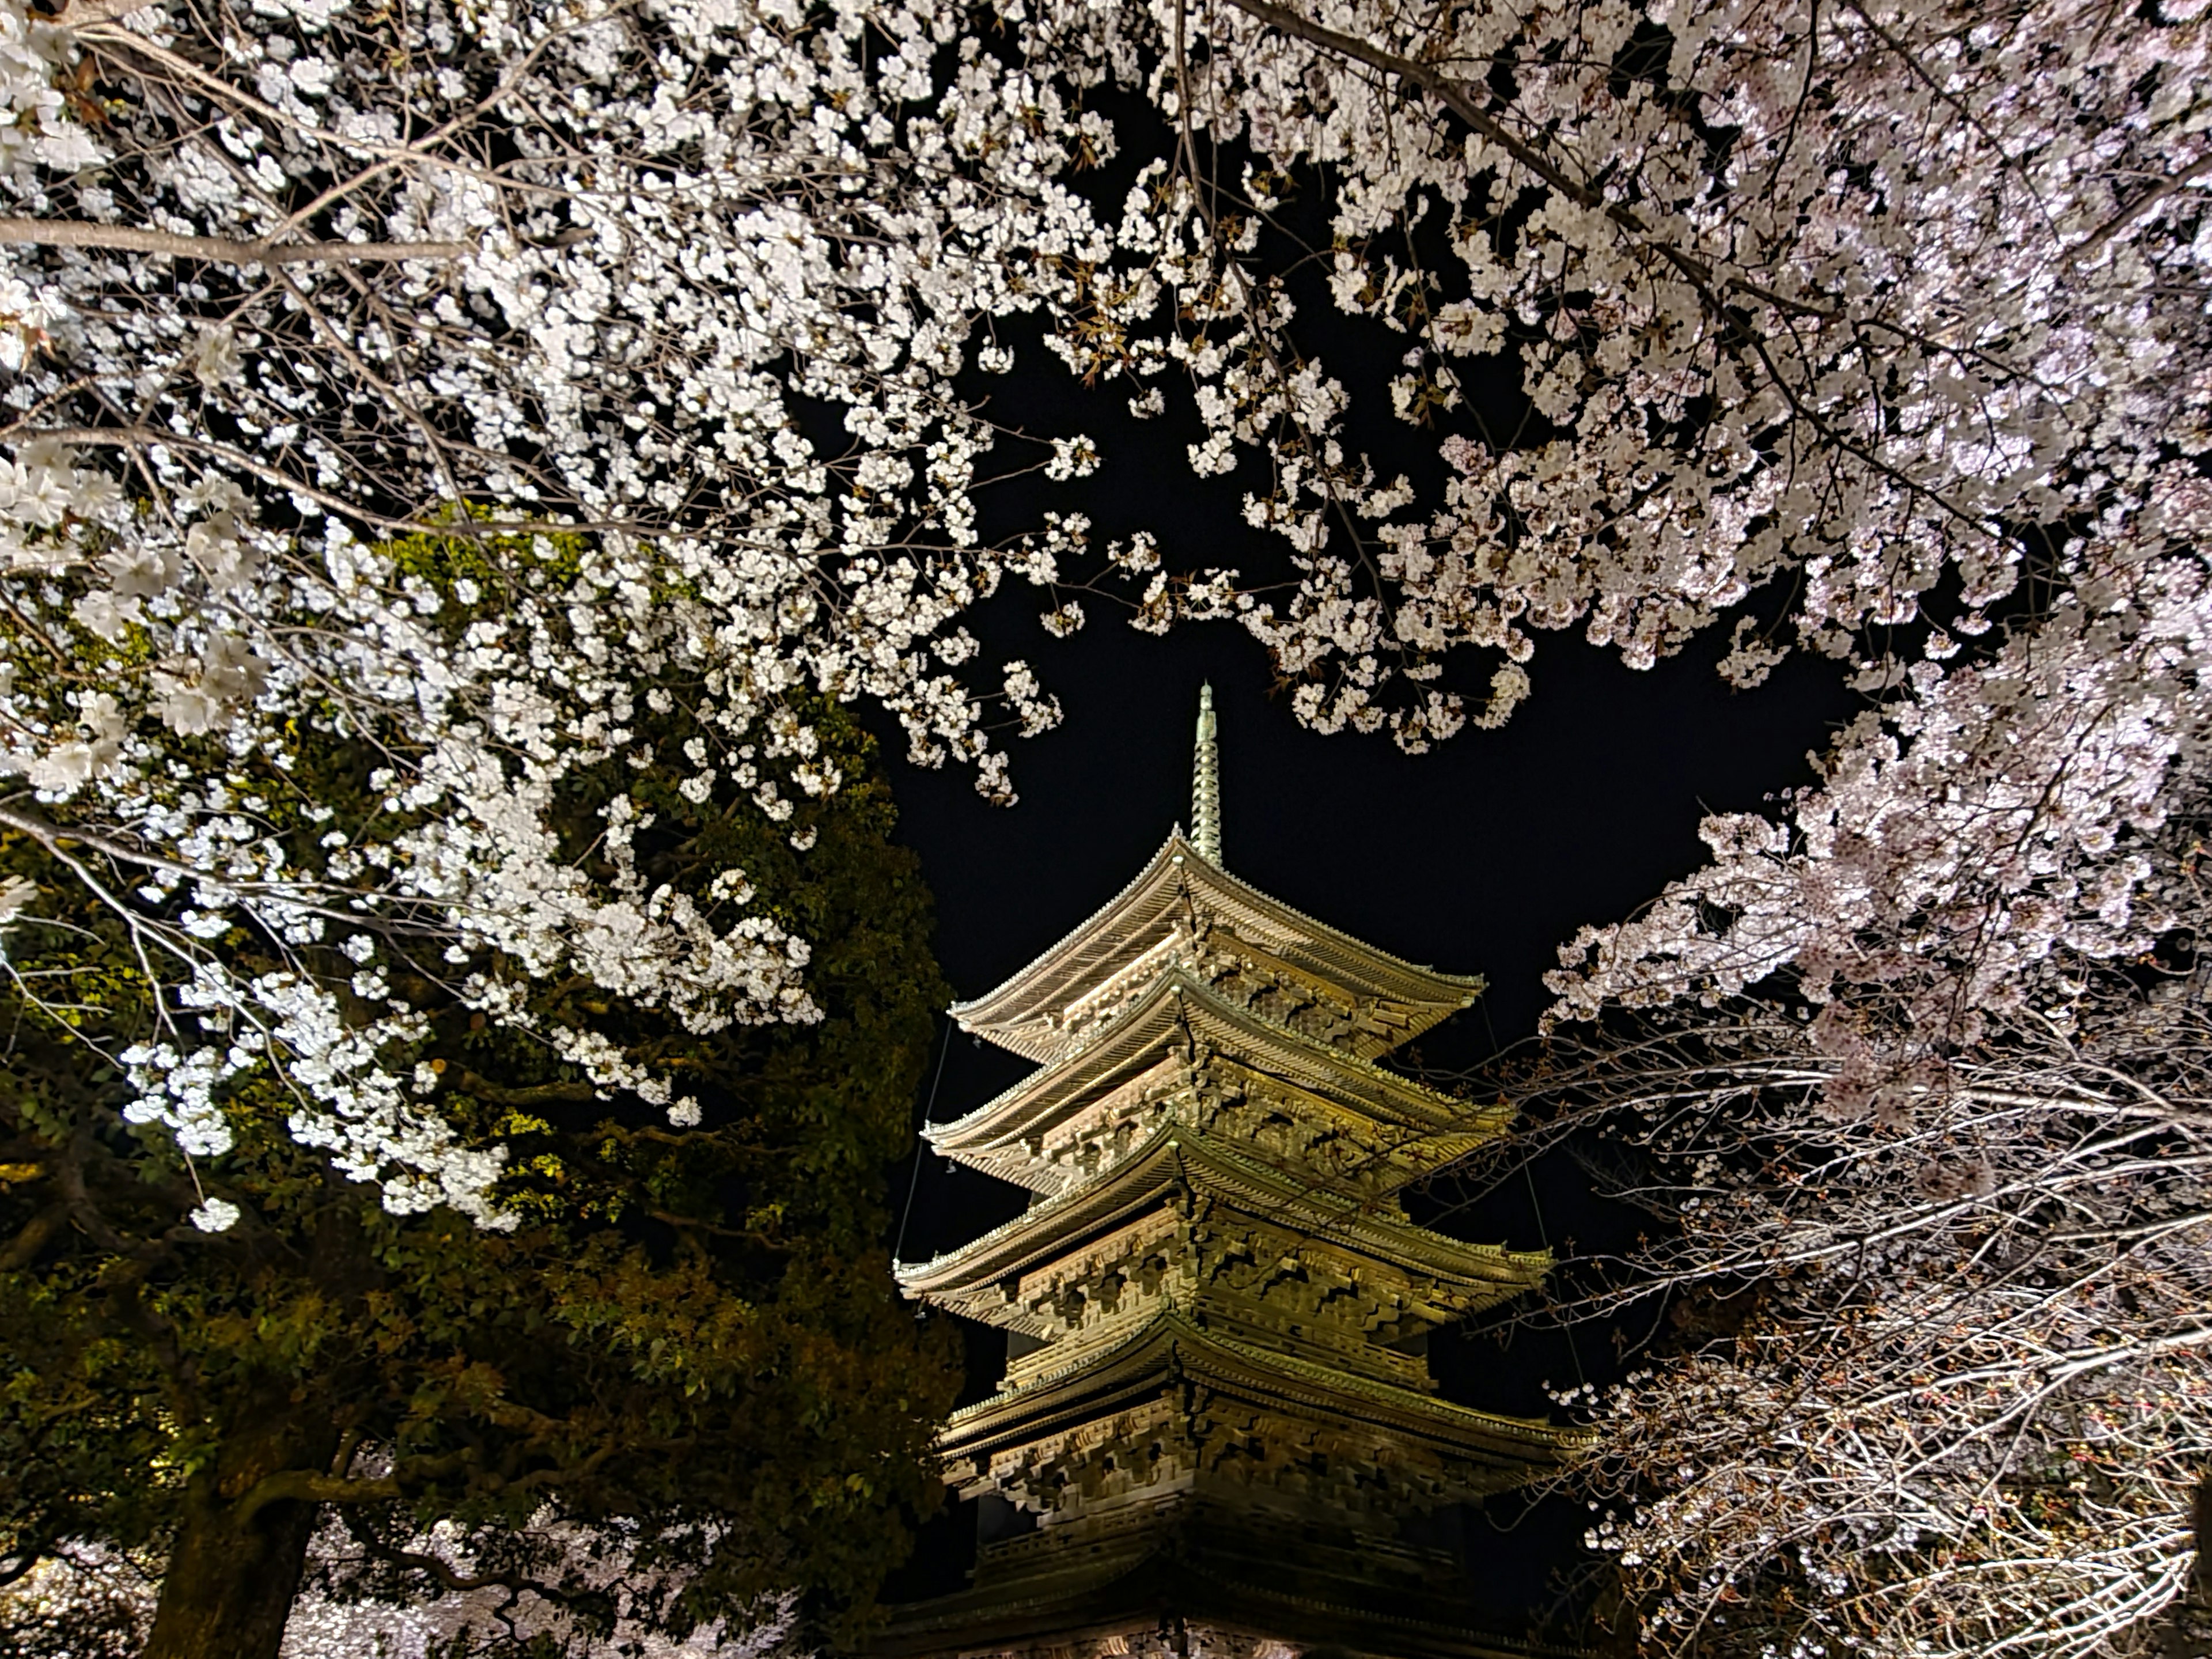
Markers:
<point>1236,1245</point>
<point>1217,1415</point>
<point>1173,1410</point>
<point>1185,1050</point>
<point>1183,906</point>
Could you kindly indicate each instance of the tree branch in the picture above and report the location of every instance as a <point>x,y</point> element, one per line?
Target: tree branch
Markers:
<point>538,1093</point>
<point>311,1486</point>
<point>1453,95</point>
<point>98,11</point>
<point>452,1577</point>
<point>218,249</point>
<point>23,1249</point>
<point>32,1545</point>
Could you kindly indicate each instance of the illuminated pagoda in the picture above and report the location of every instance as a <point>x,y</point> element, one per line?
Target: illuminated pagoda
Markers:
<point>1217,1431</point>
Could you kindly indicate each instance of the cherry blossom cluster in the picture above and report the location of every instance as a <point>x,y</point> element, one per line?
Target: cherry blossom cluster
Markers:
<point>493,1619</point>
<point>1934,1378</point>
<point>1854,298</point>
<point>1921,1093</point>
<point>486,1618</point>
<point>468,387</point>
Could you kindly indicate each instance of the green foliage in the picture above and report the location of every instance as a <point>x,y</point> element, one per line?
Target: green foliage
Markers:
<point>692,1332</point>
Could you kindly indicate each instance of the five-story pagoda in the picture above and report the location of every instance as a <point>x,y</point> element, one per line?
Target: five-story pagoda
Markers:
<point>1217,1430</point>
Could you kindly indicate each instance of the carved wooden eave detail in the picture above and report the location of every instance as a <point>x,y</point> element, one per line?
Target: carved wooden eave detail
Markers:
<point>1498,1451</point>
<point>1179,1164</point>
<point>1178,1015</point>
<point>1176,894</point>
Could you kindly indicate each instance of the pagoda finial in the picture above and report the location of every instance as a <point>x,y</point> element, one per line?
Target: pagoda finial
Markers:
<point>1205,784</point>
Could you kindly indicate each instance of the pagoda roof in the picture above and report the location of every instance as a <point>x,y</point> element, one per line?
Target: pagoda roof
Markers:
<point>965,1279</point>
<point>1060,1591</point>
<point>1103,1382</point>
<point>1019,1014</point>
<point>1177,1005</point>
<point>1077,1597</point>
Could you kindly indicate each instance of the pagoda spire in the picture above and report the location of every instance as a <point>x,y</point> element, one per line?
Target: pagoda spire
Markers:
<point>1205,784</point>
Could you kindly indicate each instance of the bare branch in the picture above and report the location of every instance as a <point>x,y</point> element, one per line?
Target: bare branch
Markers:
<point>65,232</point>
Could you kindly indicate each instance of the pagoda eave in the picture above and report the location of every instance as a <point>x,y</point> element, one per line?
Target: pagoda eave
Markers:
<point>1495,1452</point>
<point>1393,1156</point>
<point>1181,1005</point>
<point>1018,1013</point>
<point>965,1280</point>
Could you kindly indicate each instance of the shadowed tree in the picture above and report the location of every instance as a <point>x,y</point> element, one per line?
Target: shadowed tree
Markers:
<point>675,1346</point>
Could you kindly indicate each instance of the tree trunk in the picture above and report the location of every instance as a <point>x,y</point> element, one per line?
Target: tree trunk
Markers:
<point>2189,1621</point>
<point>229,1586</point>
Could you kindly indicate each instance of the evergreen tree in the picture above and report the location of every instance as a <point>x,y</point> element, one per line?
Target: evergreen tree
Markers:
<point>670,1379</point>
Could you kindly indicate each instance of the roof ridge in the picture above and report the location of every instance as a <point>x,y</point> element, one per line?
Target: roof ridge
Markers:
<point>1535,1427</point>
<point>1471,984</point>
<point>1172,1324</point>
<point>1475,981</point>
<point>1175,835</point>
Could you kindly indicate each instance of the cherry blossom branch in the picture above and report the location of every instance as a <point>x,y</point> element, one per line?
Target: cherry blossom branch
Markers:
<point>2169,185</point>
<point>83,13</point>
<point>61,232</point>
<point>1454,96</point>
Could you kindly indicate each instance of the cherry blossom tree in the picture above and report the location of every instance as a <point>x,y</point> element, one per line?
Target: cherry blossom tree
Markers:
<point>445,382</point>
<point>1926,1376</point>
<point>461,461</point>
<point>88,1602</point>
<point>501,1618</point>
<point>479,384</point>
<point>671,1390</point>
<point>1915,1076</point>
<point>1858,299</point>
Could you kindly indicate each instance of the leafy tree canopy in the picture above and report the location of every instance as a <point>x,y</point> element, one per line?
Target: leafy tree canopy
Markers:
<point>675,1345</point>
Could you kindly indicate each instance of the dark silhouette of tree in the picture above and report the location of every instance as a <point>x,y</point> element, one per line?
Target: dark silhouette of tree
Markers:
<point>671,1382</point>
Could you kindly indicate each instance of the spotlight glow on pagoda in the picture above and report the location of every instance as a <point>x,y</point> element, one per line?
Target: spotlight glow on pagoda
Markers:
<point>1217,1431</point>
